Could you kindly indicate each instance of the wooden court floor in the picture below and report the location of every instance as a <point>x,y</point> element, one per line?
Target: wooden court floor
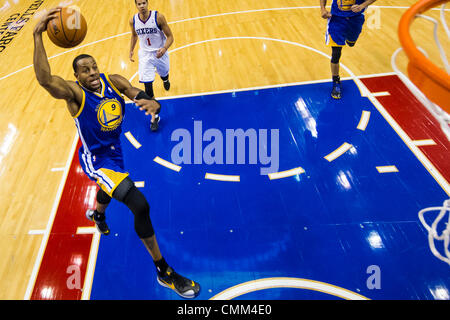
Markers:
<point>219,45</point>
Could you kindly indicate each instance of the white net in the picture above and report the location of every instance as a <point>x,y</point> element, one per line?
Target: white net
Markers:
<point>441,221</point>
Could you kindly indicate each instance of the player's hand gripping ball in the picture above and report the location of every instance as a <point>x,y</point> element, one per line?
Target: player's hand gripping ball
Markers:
<point>68,28</point>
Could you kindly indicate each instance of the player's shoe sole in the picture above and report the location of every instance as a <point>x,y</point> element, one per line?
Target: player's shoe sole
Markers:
<point>184,287</point>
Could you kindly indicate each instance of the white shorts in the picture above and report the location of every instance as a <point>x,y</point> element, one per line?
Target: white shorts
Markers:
<point>148,63</point>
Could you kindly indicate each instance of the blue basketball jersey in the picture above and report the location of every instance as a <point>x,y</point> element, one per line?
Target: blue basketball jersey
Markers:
<point>342,8</point>
<point>100,117</point>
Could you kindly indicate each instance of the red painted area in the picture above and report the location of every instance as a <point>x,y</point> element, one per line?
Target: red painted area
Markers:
<point>66,255</point>
<point>414,118</point>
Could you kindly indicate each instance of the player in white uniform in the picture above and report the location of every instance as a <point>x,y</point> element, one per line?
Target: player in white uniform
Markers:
<point>155,38</point>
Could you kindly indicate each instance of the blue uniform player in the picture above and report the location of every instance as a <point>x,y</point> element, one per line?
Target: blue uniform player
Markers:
<point>96,103</point>
<point>345,24</point>
<point>98,122</point>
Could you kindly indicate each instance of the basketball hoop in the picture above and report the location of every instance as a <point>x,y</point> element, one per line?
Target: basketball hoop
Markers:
<point>429,83</point>
<point>431,86</point>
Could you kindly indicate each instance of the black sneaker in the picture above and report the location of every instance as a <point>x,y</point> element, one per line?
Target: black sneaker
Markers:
<point>101,225</point>
<point>155,125</point>
<point>184,287</point>
<point>166,85</point>
<point>336,92</point>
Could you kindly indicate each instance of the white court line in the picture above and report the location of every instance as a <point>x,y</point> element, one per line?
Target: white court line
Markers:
<point>269,283</point>
<point>46,233</point>
<point>89,277</point>
<point>338,152</point>
<point>364,121</point>
<point>67,51</point>
<point>132,140</point>
<point>425,142</point>
<point>387,169</point>
<point>285,174</point>
<point>57,169</point>
<point>139,184</point>
<point>383,74</point>
<point>381,94</point>
<point>87,286</point>
<point>363,89</point>
<point>287,84</point>
<point>414,149</point>
<point>33,232</point>
<point>167,164</point>
<point>279,9</point>
<point>86,230</point>
<point>429,166</point>
<point>222,177</point>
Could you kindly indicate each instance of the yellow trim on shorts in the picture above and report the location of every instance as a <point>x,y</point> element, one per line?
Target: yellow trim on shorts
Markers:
<point>331,42</point>
<point>114,176</point>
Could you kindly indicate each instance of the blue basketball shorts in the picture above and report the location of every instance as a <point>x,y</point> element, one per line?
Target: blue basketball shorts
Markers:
<point>105,167</point>
<point>343,30</point>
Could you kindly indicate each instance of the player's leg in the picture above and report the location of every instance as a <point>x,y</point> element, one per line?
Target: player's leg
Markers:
<point>162,68</point>
<point>98,214</point>
<point>103,199</point>
<point>149,89</point>
<point>127,193</point>
<point>335,38</point>
<point>336,53</point>
<point>147,76</point>
<point>154,123</point>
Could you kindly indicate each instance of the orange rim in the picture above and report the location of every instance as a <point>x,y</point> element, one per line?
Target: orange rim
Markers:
<point>432,80</point>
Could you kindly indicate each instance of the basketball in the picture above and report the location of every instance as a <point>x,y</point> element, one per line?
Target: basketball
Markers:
<point>68,28</point>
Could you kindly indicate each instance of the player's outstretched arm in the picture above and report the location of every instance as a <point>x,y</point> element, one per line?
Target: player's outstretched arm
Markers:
<point>55,85</point>
<point>151,106</point>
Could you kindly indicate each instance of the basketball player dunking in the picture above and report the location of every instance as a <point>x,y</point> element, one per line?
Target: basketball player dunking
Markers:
<point>345,24</point>
<point>155,38</point>
<point>96,102</point>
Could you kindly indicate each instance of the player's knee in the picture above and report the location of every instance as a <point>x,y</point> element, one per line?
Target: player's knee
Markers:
<point>336,53</point>
<point>351,43</point>
<point>139,206</point>
<point>103,197</point>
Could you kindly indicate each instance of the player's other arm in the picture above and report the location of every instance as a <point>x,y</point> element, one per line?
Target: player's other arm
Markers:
<point>151,106</point>
<point>134,38</point>
<point>55,85</point>
<point>323,10</point>
<point>362,6</point>
<point>161,20</point>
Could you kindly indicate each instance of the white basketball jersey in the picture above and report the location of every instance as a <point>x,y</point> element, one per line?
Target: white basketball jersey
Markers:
<point>151,37</point>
